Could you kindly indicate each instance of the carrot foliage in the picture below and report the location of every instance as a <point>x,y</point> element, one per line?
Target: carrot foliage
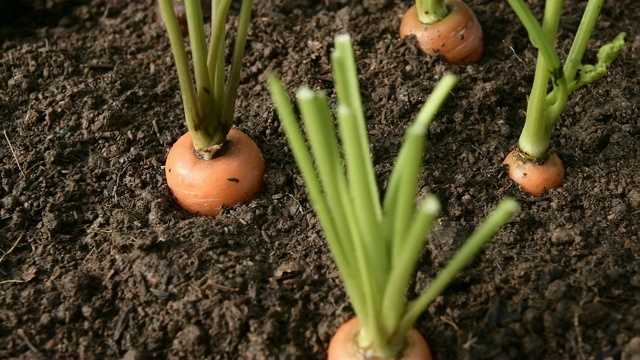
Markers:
<point>544,107</point>
<point>376,244</point>
<point>210,104</point>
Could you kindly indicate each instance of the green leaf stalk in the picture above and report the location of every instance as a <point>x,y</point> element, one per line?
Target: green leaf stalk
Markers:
<point>545,107</point>
<point>431,11</point>
<point>376,244</point>
<point>209,106</point>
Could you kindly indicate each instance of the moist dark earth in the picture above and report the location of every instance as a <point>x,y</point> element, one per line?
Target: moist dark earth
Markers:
<point>97,261</point>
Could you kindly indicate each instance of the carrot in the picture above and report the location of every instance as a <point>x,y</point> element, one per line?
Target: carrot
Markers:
<point>343,345</point>
<point>448,29</point>
<point>534,177</point>
<point>237,174</point>
<point>533,167</point>
<point>213,164</point>
<point>376,244</point>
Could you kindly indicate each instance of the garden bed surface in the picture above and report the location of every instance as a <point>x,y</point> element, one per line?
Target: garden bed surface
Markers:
<point>98,262</point>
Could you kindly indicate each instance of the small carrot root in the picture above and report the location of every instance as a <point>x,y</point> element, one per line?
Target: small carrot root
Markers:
<point>458,37</point>
<point>202,187</point>
<point>535,177</point>
<point>343,345</point>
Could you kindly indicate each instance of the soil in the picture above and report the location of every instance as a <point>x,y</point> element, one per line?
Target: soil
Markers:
<point>97,261</point>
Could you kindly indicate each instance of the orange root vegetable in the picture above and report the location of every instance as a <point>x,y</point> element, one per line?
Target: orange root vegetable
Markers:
<point>202,187</point>
<point>344,345</point>
<point>457,37</point>
<point>532,176</point>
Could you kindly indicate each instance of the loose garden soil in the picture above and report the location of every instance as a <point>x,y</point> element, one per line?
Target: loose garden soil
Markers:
<point>96,260</point>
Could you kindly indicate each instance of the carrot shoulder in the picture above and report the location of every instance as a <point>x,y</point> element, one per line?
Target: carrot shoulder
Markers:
<point>202,187</point>
<point>457,37</point>
<point>535,176</point>
<point>343,345</point>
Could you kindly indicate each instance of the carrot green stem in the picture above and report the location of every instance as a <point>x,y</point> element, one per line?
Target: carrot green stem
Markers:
<point>324,148</point>
<point>606,55</point>
<point>346,78</point>
<point>431,11</point>
<point>195,25</point>
<point>401,274</point>
<point>505,210</point>
<point>408,227</point>
<point>208,108</point>
<point>405,175</point>
<point>535,137</point>
<point>215,56</point>
<point>361,179</point>
<point>358,155</point>
<point>231,89</point>
<point>376,246</point>
<point>189,100</point>
<point>588,73</point>
<point>336,229</point>
<point>544,108</point>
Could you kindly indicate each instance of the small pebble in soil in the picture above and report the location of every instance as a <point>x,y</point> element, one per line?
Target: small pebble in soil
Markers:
<point>132,354</point>
<point>565,236</point>
<point>87,312</point>
<point>593,314</point>
<point>189,341</point>
<point>632,350</point>
<point>634,198</point>
<point>9,202</point>
<point>555,291</point>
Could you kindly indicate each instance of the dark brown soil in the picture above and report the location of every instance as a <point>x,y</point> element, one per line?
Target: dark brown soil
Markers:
<point>98,262</point>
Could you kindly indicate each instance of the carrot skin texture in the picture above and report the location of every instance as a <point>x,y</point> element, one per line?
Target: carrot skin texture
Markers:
<point>533,177</point>
<point>343,345</point>
<point>202,187</point>
<point>458,37</point>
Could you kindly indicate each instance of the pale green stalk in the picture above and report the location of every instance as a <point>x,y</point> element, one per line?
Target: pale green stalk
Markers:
<point>195,25</point>
<point>401,274</point>
<point>431,11</point>
<point>544,109</point>
<point>534,140</point>
<point>231,89</point>
<point>332,226</point>
<point>215,57</point>
<point>500,216</point>
<point>409,227</point>
<point>407,175</point>
<point>314,109</point>
<point>606,55</point>
<point>189,100</point>
<point>366,253</point>
<point>346,78</point>
<point>342,190</point>
<point>359,168</point>
<point>209,108</point>
<point>405,186</point>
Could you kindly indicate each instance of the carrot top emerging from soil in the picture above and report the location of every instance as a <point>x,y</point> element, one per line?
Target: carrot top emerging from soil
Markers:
<point>210,105</point>
<point>532,165</point>
<point>376,244</point>
<point>431,11</point>
<point>544,107</point>
<point>446,28</point>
